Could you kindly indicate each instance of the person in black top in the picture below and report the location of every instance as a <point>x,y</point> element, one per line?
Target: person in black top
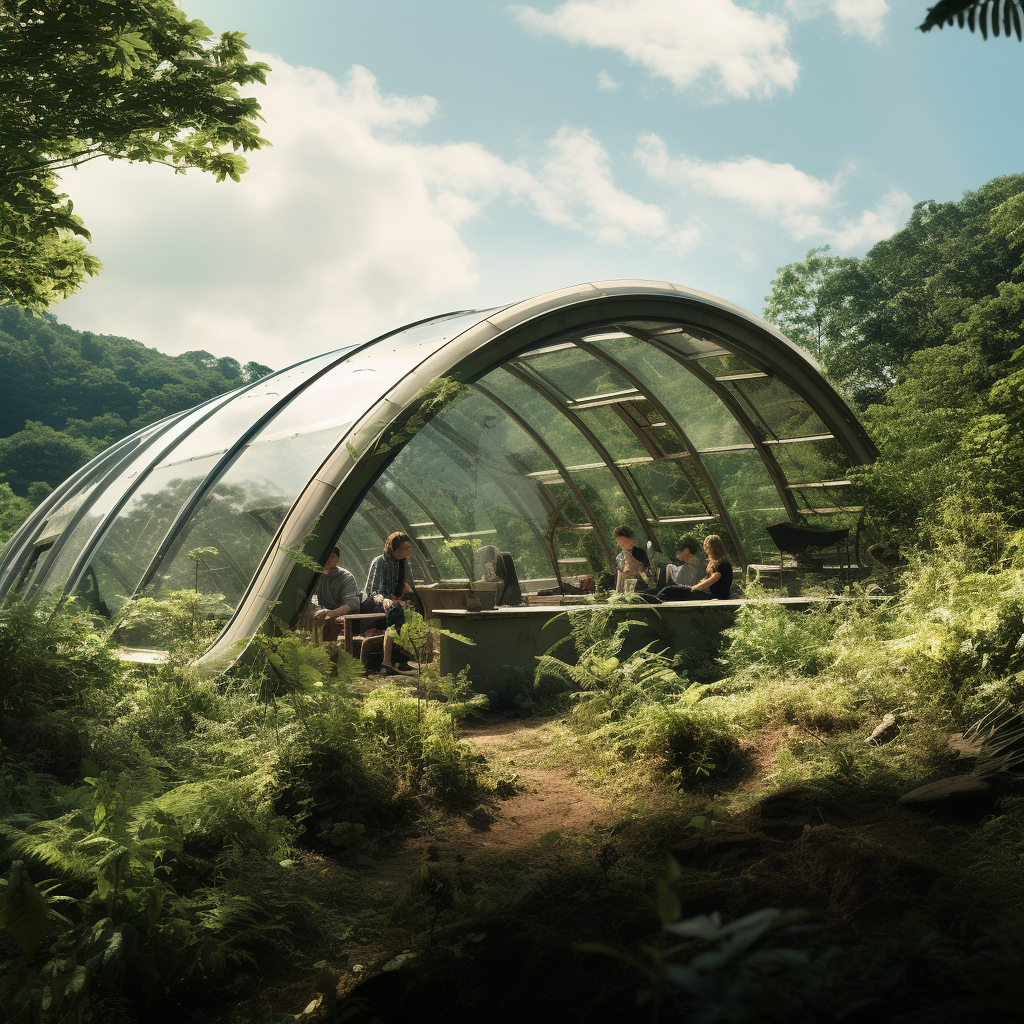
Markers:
<point>718,581</point>
<point>631,562</point>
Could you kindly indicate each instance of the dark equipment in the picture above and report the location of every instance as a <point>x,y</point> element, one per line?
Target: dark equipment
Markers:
<point>796,539</point>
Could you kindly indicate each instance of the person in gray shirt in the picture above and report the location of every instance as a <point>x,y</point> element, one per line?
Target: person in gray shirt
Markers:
<point>692,564</point>
<point>336,591</point>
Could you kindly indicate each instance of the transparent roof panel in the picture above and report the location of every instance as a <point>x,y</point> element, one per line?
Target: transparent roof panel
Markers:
<point>235,418</point>
<point>577,374</point>
<point>701,414</point>
<point>614,433</point>
<point>668,491</point>
<point>562,437</point>
<point>750,497</point>
<point>241,513</point>
<point>811,461</point>
<point>115,489</point>
<point>136,533</point>
<point>777,408</point>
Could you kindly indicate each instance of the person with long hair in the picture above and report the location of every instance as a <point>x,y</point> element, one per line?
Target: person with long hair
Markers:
<point>387,586</point>
<point>716,583</point>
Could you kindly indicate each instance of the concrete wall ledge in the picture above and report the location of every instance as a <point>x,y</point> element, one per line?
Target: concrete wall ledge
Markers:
<point>507,641</point>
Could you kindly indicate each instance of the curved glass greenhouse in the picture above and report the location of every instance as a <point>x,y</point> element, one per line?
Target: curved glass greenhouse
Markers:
<point>536,427</point>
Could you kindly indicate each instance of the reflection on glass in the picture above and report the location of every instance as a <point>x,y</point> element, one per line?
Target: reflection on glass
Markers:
<point>115,488</point>
<point>613,433</point>
<point>750,497</point>
<point>568,444</point>
<point>777,408</point>
<point>698,411</point>
<point>140,526</point>
<point>577,374</point>
<point>240,514</point>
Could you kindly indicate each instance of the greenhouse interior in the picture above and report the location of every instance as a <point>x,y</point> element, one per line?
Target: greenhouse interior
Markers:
<point>534,429</point>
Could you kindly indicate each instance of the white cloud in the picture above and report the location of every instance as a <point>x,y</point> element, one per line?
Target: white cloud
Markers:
<point>864,18</point>
<point>346,227</point>
<point>805,206</point>
<point>605,82</point>
<point>714,43</point>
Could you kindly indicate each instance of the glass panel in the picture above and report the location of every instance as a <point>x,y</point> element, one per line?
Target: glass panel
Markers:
<point>667,489</point>
<point>241,513</point>
<point>609,504</point>
<point>562,437</point>
<point>778,408</point>
<point>750,497</point>
<point>812,461</point>
<point>707,421</point>
<point>689,341</point>
<point>578,374</point>
<point>360,544</point>
<point>60,518</point>
<point>231,422</point>
<point>613,433</point>
<point>133,537</point>
<point>121,483</point>
<point>433,332</point>
<point>723,365</point>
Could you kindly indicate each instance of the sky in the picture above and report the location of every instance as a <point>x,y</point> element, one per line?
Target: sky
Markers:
<point>466,153</point>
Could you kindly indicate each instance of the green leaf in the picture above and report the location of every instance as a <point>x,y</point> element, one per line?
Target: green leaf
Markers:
<point>669,910</point>
<point>549,838</point>
<point>23,909</point>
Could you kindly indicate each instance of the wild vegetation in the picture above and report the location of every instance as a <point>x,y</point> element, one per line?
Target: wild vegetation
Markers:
<point>69,394</point>
<point>172,844</point>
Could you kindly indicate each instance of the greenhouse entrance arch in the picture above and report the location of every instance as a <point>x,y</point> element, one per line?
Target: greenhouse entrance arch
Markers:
<point>536,427</point>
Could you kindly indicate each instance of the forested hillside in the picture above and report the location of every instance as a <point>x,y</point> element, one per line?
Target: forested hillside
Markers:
<point>68,394</point>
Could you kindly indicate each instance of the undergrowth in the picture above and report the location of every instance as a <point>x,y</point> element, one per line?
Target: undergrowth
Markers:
<point>148,815</point>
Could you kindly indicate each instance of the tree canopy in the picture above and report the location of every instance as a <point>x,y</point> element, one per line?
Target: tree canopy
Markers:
<point>950,275</point>
<point>71,393</point>
<point>132,80</point>
<point>926,333</point>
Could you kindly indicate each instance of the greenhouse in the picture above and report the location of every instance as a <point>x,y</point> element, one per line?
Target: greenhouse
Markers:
<point>535,428</point>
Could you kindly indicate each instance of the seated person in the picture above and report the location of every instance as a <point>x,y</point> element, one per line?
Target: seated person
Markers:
<point>690,567</point>
<point>387,586</point>
<point>631,562</point>
<point>716,583</point>
<point>498,566</point>
<point>336,592</point>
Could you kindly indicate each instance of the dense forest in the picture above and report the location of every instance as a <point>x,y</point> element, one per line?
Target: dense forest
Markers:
<point>732,850</point>
<point>68,394</point>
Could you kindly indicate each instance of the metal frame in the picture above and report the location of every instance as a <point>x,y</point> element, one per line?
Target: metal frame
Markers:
<point>702,470</point>
<point>333,492</point>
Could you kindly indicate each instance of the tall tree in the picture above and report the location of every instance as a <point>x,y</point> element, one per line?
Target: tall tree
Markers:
<point>132,80</point>
<point>804,307</point>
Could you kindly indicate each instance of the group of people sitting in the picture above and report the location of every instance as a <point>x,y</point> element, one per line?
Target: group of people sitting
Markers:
<point>388,589</point>
<point>699,574</point>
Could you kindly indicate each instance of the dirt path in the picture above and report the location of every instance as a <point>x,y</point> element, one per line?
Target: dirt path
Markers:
<point>547,801</point>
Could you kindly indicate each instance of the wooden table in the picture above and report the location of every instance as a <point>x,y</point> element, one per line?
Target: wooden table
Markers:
<point>350,626</point>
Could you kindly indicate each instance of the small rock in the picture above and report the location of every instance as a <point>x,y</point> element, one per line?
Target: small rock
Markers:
<point>393,965</point>
<point>964,747</point>
<point>957,787</point>
<point>885,731</point>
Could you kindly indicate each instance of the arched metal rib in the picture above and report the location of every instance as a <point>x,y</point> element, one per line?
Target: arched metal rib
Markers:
<point>728,399</point>
<point>614,364</point>
<point>584,505</point>
<point>542,389</point>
